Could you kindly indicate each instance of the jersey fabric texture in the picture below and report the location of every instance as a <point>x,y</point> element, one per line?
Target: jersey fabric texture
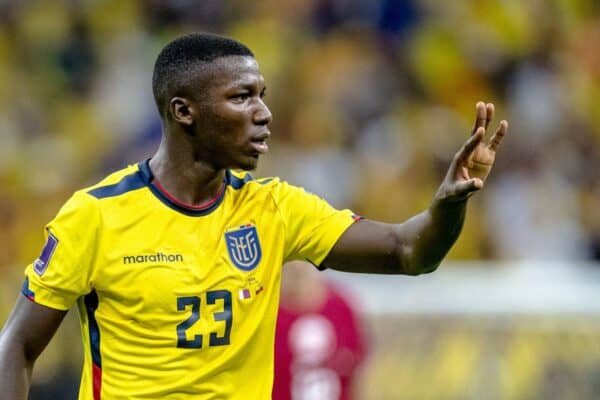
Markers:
<point>178,302</point>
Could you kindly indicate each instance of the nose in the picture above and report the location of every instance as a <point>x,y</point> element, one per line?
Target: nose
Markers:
<point>262,115</point>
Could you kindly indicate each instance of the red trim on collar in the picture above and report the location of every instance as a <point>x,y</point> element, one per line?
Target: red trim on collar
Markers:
<point>199,207</point>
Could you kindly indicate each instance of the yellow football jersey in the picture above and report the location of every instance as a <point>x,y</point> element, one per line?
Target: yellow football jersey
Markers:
<point>178,302</point>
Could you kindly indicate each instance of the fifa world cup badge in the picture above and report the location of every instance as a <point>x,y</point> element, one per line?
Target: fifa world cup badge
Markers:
<point>41,264</point>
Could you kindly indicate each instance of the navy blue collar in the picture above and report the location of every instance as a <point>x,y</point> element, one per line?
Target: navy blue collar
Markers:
<point>148,178</point>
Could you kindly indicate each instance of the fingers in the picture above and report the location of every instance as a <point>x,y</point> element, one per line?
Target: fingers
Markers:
<point>470,145</point>
<point>466,150</point>
<point>483,115</point>
<point>480,116</point>
<point>499,135</point>
<point>490,114</point>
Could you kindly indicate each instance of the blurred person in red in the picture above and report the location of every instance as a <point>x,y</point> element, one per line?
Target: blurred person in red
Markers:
<point>319,344</point>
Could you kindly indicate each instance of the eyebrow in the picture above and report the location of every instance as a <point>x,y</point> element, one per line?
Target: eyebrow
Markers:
<point>247,84</point>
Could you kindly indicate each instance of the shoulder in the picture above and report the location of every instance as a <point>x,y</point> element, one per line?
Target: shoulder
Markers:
<point>279,190</point>
<point>83,203</point>
<point>244,179</point>
<point>116,183</point>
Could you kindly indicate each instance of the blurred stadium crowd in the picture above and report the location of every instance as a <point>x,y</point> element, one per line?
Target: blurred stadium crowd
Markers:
<point>370,101</point>
<point>484,358</point>
<point>371,98</point>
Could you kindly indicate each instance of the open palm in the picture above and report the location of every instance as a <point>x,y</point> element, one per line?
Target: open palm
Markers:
<point>473,162</point>
<point>479,163</point>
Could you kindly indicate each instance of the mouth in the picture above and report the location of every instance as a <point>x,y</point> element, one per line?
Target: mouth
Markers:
<point>259,143</point>
<point>260,147</point>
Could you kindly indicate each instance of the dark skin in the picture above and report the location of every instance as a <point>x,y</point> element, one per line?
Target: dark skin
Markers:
<point>221,123</point>
<point>216,127</point>
<point>419,244</point>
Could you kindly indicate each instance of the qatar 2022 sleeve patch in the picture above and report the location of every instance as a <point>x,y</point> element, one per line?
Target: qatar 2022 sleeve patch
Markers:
<point>41,264</point>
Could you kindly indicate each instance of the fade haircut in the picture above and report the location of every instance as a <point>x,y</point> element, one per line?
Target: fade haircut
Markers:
<point>177,61</point>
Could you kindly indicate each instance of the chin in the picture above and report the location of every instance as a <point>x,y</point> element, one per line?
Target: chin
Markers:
<point>247,165</point>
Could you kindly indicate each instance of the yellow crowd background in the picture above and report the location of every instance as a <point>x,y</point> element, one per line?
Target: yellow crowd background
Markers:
<point>371,98</point>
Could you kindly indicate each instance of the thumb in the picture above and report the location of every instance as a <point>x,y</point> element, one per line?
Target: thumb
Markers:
<point>470,186</point>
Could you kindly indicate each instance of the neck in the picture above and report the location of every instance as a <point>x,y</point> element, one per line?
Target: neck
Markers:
<point>185,178</point>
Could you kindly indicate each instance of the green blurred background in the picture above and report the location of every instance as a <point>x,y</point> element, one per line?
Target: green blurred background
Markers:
<point>371,98</point>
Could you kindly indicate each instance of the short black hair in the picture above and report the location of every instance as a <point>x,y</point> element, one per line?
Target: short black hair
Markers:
<point>179,57</point>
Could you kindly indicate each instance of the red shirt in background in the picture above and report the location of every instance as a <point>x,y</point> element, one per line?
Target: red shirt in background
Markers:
<point>317,352</point>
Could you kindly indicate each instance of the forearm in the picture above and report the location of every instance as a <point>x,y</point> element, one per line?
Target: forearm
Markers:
<point>15,370</point>
<point>419,244</point>
<point>25,335</point>
<point>431,234</point>
<point>415,246</point>
<point>427,237</point>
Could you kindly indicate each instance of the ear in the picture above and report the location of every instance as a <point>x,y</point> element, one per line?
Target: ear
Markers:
<point>182,110</point>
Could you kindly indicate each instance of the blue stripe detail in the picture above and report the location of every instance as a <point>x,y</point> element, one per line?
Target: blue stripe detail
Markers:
<point>26,291</point>
<point>236,182</point>
<point>127,184</point>
<point>264,181</point>
<point>91,305</point>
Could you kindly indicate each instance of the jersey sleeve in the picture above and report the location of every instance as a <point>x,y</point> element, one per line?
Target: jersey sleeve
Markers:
<point>62,273</point>
<point>313,226</point>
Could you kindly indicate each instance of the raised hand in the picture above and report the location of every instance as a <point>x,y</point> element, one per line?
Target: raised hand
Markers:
<point>473,162</point>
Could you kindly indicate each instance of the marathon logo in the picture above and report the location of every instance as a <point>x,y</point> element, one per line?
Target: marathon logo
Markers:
<point>153,258</point>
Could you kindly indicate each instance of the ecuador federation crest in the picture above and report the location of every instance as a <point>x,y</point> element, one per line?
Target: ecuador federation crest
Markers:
<point>243,247</point>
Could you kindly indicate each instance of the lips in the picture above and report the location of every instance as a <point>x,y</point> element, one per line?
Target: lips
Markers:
<point>260,147</point>
<point>259,142</point>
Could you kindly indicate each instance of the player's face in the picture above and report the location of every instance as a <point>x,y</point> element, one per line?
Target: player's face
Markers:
<point>232,127</point>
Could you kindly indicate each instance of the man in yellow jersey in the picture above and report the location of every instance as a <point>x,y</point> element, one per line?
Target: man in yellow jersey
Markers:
<point>175,262</point>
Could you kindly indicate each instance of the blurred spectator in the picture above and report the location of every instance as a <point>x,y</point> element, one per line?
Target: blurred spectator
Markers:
<point>319,343</point>
<point>78,59</point>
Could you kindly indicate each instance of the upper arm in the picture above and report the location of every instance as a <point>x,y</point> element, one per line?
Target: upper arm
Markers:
<point>64,270</point>
<point>55,280</point>
<point>336,239</point>
<point>29,328</point>
<point>312,226</point>
<point>413,247</point>
<point>371,247</point>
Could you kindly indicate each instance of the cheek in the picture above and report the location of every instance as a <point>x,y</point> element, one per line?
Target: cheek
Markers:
<point>226,126</point>
<point>232,130</point>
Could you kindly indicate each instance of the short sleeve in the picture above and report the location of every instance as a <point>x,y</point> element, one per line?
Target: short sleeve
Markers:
<point>313,226</point>
<point>62,272</point>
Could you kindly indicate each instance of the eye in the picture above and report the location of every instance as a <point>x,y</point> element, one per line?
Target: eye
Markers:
<point>240,97</point>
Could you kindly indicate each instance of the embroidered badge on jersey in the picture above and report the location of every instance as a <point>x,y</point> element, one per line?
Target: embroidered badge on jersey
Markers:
<point>41,264</point>
<point>243,247</point>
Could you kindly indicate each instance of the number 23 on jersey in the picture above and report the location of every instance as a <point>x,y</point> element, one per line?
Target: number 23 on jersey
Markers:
<point>194,303</point>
